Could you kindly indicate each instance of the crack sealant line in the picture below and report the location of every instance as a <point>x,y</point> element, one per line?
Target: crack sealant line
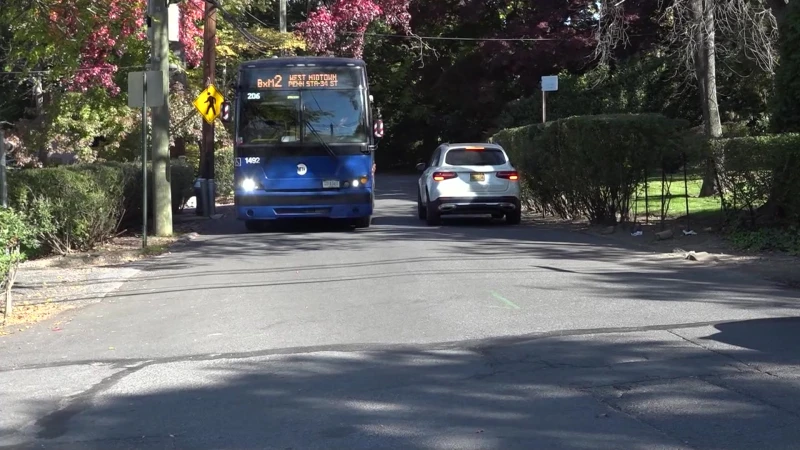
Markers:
<point>55,424</point>
<point>721,353</point>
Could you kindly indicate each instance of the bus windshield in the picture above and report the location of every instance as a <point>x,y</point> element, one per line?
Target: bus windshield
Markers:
<point>293,116</point>
<point>270,117</point>
<point>337,116</point>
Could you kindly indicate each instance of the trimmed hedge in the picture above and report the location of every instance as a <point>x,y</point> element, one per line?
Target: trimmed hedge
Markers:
<point>761,170</point>
<point>78,207</point>
<point>589,166</point>
<point>223,171</point>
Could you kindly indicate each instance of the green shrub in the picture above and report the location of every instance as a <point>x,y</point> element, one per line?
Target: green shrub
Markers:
<point>68,208</point>
<point>130,175</point>
<point>223,171</point>
<point>78,207</point>
<point>767,239</point>
<point>182,177</point>
<point>14,235</point>
<point>760,169</point>
<point>590,165</point>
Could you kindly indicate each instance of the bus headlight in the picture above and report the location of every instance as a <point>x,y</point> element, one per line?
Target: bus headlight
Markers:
<point>249,185</point>
<point>355,183</point>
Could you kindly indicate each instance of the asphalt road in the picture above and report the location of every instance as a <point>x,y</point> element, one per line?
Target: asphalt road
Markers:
<point>465,336</point>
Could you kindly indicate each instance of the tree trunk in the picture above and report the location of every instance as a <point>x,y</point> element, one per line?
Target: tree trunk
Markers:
<point>38,103</point>
<point>9,306</point>
<point>705,67</point>
<point>8,309</point>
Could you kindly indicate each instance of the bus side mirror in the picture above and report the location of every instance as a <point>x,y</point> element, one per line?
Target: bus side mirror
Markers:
<point>225,113</point>
<point>377,129</point>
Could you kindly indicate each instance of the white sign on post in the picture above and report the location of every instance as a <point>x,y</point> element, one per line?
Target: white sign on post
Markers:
<point>155,89</point>
<point>550,83</point>
<point>174,22</point>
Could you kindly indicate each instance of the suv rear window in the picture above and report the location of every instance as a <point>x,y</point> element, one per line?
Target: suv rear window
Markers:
<point>487,157</point>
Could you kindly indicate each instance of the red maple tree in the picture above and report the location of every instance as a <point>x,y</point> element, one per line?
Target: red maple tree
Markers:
<point>342,24</point>
<point>110,35</point>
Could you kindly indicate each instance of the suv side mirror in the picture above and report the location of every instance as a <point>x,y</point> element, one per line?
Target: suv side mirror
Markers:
<point>421,166</point>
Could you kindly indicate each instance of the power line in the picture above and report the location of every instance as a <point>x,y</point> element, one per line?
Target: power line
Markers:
<point>467,39</point>
<point>40,72</point>
<point>449,38</point>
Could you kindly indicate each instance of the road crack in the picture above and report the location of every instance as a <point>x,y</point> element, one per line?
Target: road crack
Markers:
<point>56,423</point>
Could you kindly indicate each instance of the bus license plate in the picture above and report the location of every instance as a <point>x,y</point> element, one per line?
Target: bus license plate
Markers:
<point>477,176</point>
<point>330,184</point>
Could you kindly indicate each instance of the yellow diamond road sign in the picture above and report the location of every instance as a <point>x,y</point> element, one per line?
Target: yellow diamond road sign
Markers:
<point>209,103</point>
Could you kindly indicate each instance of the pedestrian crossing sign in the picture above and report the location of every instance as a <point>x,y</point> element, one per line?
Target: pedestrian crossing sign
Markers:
<point>209,104</point>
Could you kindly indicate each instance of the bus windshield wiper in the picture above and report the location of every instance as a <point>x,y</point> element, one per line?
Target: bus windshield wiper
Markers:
<point>322,141</point>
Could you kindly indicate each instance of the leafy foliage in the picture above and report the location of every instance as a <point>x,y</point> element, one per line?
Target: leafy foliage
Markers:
<point>78,207</point>
<point>589,166</point>
<point>14,234</point>
<point>786,107</point>
<point>223,171</point>
<point>83,42</point>
<point>68,209</point>
<point>757,169</point>
<point>342,25</point>
<point>767,239</point>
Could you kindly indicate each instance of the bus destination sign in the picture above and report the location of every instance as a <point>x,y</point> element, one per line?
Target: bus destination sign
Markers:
<point>303,79</point>
<point>299,80</point>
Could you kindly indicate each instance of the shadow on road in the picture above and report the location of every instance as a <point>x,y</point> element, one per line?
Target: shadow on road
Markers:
<point>630,390</point>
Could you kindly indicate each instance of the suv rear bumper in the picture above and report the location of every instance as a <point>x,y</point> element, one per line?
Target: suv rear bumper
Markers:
<point>475,205</point>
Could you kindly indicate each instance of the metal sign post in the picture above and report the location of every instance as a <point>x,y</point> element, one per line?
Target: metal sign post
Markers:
<point>144,159</point>
<point>145,90</point>
<point>549,84</point>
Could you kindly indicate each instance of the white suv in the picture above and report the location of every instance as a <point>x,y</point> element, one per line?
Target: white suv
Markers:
<point>468,179</point>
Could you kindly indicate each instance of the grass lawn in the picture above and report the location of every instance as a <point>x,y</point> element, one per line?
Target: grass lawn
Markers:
<point>676,197</point>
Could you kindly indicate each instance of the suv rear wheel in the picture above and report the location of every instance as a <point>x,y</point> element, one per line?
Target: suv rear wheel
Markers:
<point>432,216</point>
<point>514,217</point>
<point>421,212</point>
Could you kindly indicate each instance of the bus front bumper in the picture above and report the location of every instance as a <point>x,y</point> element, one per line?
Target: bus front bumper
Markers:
<point>273,205</point>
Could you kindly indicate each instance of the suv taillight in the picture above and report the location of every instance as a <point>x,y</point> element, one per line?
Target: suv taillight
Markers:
<point>441,176</point>
<point>512,175</point>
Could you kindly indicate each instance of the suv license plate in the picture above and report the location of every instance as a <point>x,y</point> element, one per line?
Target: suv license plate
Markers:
<point>477,176</point>
<point>330,184</point>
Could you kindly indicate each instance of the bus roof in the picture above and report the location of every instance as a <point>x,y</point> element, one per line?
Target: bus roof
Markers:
<point>293,60</point>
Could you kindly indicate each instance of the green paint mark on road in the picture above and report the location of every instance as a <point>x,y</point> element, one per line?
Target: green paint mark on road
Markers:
<point>505,300</point>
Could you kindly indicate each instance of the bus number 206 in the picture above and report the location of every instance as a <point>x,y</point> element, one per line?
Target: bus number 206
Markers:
<point>252,160</point>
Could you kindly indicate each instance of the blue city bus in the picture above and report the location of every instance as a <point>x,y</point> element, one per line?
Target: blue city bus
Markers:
<point>305,139</point>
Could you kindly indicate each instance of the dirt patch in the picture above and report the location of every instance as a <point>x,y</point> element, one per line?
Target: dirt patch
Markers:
<point>25,315</point>
<point>706,245</point>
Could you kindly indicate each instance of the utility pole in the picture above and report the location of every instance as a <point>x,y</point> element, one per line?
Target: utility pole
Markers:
<point>283,16</point>
<point>207,185</point>
<point>158,34</point>
<point>283,23</point>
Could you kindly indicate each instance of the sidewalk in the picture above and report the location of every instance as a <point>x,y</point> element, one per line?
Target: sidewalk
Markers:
<point>48,286</point>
